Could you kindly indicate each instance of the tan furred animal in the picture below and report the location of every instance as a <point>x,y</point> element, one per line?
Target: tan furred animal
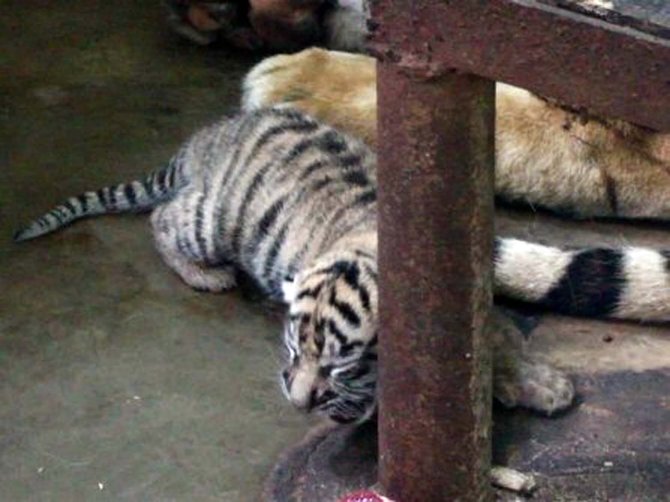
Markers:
<point>546,156</point>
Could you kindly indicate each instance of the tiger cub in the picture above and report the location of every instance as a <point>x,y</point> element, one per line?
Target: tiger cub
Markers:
<point>545,155</point>
<point>292,203</point>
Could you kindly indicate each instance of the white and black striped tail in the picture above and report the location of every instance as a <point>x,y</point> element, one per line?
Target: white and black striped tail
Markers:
<point>624,283</point>
<point>135,196</point>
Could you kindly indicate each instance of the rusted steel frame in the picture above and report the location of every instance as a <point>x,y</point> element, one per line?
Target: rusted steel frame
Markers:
<point>435,252</point>
<point>580,61</point>
<point>641,15</point>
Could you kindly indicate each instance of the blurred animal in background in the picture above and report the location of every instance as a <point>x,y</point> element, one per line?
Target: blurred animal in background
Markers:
<point>207,22</point>
<point>271,25</point>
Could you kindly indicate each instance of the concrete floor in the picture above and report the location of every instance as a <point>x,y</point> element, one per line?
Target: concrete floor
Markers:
<point>118,382</point>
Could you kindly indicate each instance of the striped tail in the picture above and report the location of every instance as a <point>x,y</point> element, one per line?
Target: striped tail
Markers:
<point>625,283</point>
<point>135,196</point>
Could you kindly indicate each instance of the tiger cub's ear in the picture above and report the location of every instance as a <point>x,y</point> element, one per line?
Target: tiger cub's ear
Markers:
<point>289,288</point>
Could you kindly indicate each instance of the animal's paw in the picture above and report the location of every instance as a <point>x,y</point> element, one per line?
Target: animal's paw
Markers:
<point>213,280</point>
<point>536,386</point>
<point>548,391</point>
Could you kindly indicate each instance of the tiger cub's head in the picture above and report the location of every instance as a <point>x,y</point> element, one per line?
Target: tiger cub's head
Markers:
<point>331,339</point>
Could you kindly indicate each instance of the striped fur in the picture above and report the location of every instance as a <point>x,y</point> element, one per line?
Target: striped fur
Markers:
<point>626,283</point>
<point>136,196</point>
<point>292,203</point>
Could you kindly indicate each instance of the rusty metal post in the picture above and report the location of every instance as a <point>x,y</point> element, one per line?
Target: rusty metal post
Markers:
<point>435,254</point>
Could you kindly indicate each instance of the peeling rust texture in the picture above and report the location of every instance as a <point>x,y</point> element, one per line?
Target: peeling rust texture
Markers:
<point>585,62</point>
<point>435,252</point>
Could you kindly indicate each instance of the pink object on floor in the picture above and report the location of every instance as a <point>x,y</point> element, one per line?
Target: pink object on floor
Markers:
<point>365,496</point>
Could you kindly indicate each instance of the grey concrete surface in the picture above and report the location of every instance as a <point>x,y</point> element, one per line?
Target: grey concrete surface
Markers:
<point>117,382</point>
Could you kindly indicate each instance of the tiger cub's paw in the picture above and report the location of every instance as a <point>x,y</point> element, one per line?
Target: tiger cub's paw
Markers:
<point>536,386</point>
<point>213,280</point>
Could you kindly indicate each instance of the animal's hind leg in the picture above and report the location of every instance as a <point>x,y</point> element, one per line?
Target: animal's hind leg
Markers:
<point>519,380</point>
<point>169,232</point>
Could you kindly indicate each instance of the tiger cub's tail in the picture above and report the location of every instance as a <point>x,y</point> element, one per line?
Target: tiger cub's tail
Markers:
<point>624,283</point>
<point>135,196</point>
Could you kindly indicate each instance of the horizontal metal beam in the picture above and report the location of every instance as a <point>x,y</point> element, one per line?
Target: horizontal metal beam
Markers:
<point>583,62</point>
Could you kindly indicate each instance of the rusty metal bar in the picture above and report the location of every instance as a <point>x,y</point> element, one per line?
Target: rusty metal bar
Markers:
<point>579,60</point>
<point>435,252</point>
<point>436,198</point>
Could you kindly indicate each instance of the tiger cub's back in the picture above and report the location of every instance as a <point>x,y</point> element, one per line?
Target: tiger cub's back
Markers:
<point>286,193</point>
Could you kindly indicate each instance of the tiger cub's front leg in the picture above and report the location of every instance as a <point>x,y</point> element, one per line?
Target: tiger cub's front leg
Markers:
<point>520,380</point>
<point>182,243</point>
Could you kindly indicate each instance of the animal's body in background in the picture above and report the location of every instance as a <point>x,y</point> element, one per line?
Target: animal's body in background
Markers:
<point>289,25</point>
<point>276,25</point>
<point>545,156</point>
<point>292,202</point>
